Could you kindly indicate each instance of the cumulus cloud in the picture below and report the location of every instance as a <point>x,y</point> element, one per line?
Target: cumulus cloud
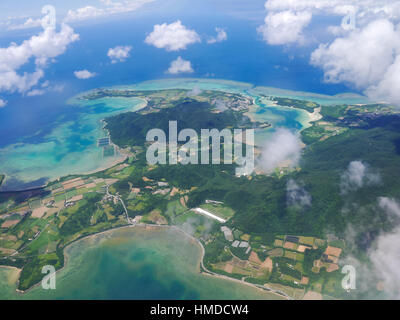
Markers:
<point>391,206</point>
<point>40,48</point>
<point>45,88</point>
<point>36,92</point>
<point>180,66</point>
<point>172,37</point>
<point>220,105</point>
<point>194,92</point>
<point>107,8</point>
<point>362,58</point>
<point>368,58</point>
<point>284,27</point>
<point>282,149</point>
<point>388,87</point>
<point>357,176</point>
<point>3,103</point>
<point>119,53</point>
<point>221,36</point>
<point>296,195</point>
<point>27,24</point>
<point>370,8</point>
<point>385,254</point>
<point>84,74</point>
<point>365,53</point>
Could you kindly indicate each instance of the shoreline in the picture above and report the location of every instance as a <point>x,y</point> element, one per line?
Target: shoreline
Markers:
<point>201,266</point>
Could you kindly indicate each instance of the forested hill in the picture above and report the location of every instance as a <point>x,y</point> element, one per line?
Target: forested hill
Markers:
<point>130,129</point>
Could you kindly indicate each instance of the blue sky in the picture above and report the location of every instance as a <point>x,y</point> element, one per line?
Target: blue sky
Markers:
<point>305,45</point>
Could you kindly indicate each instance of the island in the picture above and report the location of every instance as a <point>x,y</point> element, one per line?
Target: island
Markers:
<point>248,229</point>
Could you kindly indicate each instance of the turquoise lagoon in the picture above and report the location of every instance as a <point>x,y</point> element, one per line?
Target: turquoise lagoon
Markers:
<point>70,147</point>
<point>134,263</point>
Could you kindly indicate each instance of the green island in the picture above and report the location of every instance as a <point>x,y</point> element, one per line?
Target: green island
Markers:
<point>263,239</point>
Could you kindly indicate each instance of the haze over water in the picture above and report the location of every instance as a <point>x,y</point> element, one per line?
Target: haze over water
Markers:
<point>135,263</point>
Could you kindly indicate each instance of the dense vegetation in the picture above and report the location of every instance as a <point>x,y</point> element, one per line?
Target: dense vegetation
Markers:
<point>299,104</point>
<point>260,203</point>
<point>81,219</point>
<point>32,271</point>
<point>131,128</point>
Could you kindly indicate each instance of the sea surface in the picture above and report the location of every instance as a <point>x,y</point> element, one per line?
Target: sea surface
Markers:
<point>44,137</point>
<point>68,144</point>
<point>134,263</point>
<point>127,264</point>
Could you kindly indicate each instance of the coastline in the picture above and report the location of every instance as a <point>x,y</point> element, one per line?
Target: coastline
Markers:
<point>187,83</point>
<point>315,116</point>
<point>206,272</point>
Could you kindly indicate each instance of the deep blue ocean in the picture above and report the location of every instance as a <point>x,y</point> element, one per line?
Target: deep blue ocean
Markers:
<point>244,57</point>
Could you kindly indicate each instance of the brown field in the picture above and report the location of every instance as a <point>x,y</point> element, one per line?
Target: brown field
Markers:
<point>332,251</point>
<point>9,237</point>
<point>76,198</point>
<point>9,223</point>
<point>311,295</point>
<point>73,183</point>
<point>174,191</point>
<point>183,201</point>
<point>302,248</point>
<point>290,245</point>
<point>267,264</point>
<point>50,212</point>
<point>254,258</point>
<point>228,268</point>
<point>39,212</point>
<point>7,251</point>
<point>111,181</point>
<point>332,267</point>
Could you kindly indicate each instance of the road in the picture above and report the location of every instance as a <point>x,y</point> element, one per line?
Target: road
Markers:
<point>118,198</point>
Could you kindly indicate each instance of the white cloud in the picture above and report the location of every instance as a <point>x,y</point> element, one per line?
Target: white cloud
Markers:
<point>385,254</point>
<point>357,176</point>
<point>84,74</point>
<point>45,88</point>
<point>220,105</point>
<point>221,36</point>
<point>391,206</point>
<point>180,66</point>
<point>42,48</point>
<point>119,53</point>
<point>388,88</point>
<point>27,24</point>
<point>172,37</point>
<point>365,53</point>
<point>368,58</point>
<point>297,195</point>
<point>365,8</point>
<point>3,103</point>
<point>362,58</point>
<point>36,92</point>
<point>194,92</point>
<point>84,13</point>
<point>284,27</point>
<point>282,149</point>
<point>108,8</point>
